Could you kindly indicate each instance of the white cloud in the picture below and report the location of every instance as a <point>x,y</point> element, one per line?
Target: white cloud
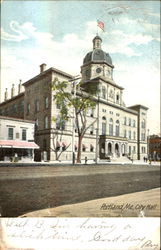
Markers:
<point>23,62</point>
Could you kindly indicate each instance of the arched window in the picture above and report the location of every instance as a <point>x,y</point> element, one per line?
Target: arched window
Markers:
<point>111,127</point>
<point>104,92</point>
<point>46,125</point>
<point>103,125</point>
<point>117,128</point>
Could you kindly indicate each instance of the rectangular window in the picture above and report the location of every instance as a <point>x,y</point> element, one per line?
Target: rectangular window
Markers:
<point>124,133</point>
<point>58,105</point>
<point>129,121</point>
<point>134,149</point>
<point>143,150</point>
<point>10,133</point>
<point>28,108</point>
<point>129,134</point>
<point>129,150</point>
<point>46,102</point>
<point>46,122</point>
<point>143,136</point>
<point>24,134</point>
<point>37,106</point>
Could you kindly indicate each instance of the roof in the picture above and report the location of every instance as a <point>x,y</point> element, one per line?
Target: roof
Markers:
<point>18,144</point>
<point>50,70</point>
<point>138,106</point>
<point>98,55</point>
<point>13,98</point>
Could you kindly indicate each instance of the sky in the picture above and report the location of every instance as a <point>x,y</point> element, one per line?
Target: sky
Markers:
<point>60,33</point>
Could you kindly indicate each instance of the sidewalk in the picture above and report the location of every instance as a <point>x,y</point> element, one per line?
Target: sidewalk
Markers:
<point>139,204</point>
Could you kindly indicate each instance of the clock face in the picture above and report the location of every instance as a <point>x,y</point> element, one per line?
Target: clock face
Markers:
<point>98,70</point>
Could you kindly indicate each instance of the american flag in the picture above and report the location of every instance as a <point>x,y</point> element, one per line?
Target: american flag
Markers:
<point>101,25</point>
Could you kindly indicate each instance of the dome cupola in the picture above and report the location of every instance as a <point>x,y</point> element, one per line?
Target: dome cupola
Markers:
<point>97,63</point>
<point>97,55</point>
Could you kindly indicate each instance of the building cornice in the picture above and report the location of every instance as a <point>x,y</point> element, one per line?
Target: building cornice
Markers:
<point>101,78</point>
<point>15,119</point>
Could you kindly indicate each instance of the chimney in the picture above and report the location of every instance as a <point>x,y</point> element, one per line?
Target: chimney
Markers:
<point>12,90</point>
<point>20,87</point>
<point>42,67</point>
<point>6,95</point>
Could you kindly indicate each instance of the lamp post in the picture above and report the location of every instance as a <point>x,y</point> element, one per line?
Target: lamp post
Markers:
<point>148,144</point>
<point>97,131</point>
<point>75,83</point>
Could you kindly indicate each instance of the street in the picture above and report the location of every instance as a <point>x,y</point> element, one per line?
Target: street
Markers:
<point>26,189</point>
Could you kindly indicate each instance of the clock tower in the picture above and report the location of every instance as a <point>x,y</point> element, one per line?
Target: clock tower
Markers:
<point>97,63</point>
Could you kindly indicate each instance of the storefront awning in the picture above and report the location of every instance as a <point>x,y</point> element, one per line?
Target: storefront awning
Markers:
<point>18,144</point>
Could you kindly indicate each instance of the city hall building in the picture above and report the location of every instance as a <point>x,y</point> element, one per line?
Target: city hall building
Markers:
<point>121,129</point>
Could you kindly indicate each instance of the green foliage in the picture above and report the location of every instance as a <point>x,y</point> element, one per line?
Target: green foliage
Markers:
<point>65,98</point>
<point>80,103</point>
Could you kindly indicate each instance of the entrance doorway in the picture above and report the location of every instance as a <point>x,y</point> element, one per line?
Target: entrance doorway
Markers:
<point>117,149</point>
<point>109,148</point>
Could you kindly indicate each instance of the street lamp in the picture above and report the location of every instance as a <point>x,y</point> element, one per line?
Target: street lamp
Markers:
<point>75,82</point>
<point>97,130</point>
<point>148,144</point>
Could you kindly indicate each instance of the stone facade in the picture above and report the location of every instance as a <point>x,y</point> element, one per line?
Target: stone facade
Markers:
<point>121,130</point>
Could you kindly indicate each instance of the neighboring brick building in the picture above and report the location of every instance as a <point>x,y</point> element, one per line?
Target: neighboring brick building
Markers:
<point>122,130</point>
<point>154,142</point>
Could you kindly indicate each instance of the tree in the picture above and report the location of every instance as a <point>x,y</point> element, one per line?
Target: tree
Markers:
<point>79,103</point>
<point>58,147</point>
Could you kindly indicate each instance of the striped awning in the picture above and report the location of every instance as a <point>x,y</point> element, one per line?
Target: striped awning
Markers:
<point>18,144</point>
